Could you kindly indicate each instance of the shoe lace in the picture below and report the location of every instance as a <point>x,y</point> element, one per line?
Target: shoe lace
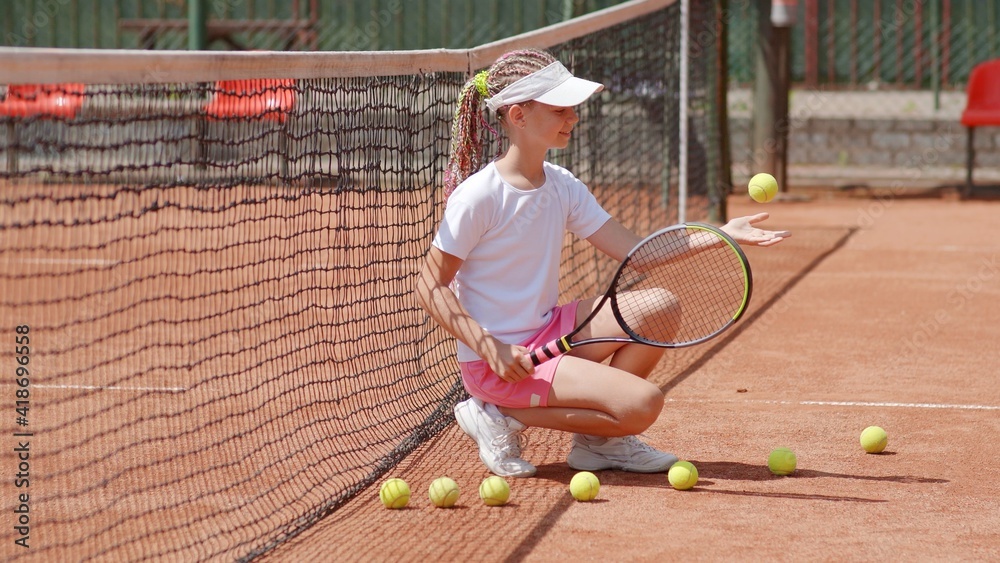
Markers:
<point>638,444</point>
<point>510,443</point>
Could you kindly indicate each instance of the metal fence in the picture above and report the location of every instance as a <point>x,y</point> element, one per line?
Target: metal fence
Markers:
<point>870,44</point>
<point>341,25</point>
<point>876,44</point>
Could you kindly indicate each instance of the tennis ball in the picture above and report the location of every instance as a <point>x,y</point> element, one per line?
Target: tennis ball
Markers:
<point>494,491</point>
<point>443,492</point>
<point>682,475</point>
<point>395,493</point>
<point>584,486</point>
<point>781,461</point>
<point>763,187</point>
<point>874,439</point>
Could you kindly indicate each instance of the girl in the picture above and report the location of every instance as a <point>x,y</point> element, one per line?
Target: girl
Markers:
<point>491,280</point>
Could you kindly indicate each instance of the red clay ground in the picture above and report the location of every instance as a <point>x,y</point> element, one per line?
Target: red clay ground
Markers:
<point>877,311</point>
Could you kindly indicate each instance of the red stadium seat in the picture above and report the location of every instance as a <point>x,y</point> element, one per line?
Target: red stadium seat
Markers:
<point>982,108</point>
<point>259,98</point>
<point>43,100</point>
<point>270,100</point>
<point>48,101</point>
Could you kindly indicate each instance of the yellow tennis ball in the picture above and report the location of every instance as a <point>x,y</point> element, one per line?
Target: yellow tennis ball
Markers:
<point>584,486</point>
<point>763,187</point>
<point>443,492</point>
<point>395,493</point>
<point>682,475</point>
<point>874,439</point>
<point>494,491</point>
<point>782,461</point>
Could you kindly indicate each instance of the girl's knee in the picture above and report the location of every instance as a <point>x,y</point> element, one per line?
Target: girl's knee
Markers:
<point>646,408</point>
<point>665,299</point>
<point>658,317</point>
<point>660,301</point>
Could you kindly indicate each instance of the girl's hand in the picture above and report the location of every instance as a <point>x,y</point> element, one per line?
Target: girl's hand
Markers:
<point>510,362</point>
<point>743,231</point>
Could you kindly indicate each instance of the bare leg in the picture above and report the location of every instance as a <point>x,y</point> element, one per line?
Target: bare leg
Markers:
<point>637,359</point>
<point>597,399</point>
<point>589,396</point>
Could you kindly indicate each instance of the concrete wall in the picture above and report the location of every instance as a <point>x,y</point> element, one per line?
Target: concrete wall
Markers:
<point>848,135</point>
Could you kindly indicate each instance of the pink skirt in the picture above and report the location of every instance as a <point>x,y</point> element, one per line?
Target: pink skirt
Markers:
<point>533,391</point>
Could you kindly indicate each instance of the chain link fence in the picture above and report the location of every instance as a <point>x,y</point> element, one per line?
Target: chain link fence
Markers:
<point>327,25</point>
<point>873,81</point>
<point>877,90</point>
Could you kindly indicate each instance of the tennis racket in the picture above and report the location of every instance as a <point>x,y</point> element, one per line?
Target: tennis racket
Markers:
<point>678,287</point>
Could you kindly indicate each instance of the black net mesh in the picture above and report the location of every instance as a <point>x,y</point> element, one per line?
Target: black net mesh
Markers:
<point>215,279</point>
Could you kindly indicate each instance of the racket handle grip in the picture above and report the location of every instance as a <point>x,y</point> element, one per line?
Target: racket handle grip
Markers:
<point>557,347</point>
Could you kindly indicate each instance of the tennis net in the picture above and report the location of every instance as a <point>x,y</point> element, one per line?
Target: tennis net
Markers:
<point>212,256</point>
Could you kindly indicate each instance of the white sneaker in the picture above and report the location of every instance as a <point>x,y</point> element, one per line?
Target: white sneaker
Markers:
<point>499,437</point>
<point>594,453</point>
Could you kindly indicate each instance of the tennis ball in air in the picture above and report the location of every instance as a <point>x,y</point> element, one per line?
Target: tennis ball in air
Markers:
<point>584,486</point>
<point>443,492</point>
<point>494,491</point>
<point>395,493</point>
<point>782,461</point>
<point>874,439</point>
<point>763,187</point>
<point>682,475</point>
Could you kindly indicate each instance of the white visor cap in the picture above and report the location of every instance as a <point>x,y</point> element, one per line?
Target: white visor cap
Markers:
<point>553,85</point>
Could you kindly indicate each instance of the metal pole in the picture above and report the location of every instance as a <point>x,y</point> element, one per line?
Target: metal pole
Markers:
<point>936,52</point>
<point>682,155</point>
<point>197,25</point>
<point>718,211</point>
<point>772,85</point>
<point>782,120</point>
<point>764,92</point>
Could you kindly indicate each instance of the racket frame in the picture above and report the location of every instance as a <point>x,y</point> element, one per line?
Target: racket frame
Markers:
<point>565,343</point>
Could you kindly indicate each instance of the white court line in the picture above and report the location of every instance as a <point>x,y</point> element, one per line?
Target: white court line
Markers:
<point>70,261</point>
<point>903,405</point>
<point>114,388</point>
<point>849,404</point>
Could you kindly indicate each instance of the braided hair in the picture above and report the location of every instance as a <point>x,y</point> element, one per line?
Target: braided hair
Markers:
<point>465,158</point>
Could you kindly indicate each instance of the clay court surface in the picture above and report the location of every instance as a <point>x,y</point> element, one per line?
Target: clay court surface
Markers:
<point>879,311</point>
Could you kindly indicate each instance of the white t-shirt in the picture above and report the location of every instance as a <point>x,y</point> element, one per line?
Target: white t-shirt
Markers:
<point>511,243</point>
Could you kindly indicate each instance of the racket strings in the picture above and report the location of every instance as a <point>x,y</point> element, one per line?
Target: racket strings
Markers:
<point>671,294</point>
